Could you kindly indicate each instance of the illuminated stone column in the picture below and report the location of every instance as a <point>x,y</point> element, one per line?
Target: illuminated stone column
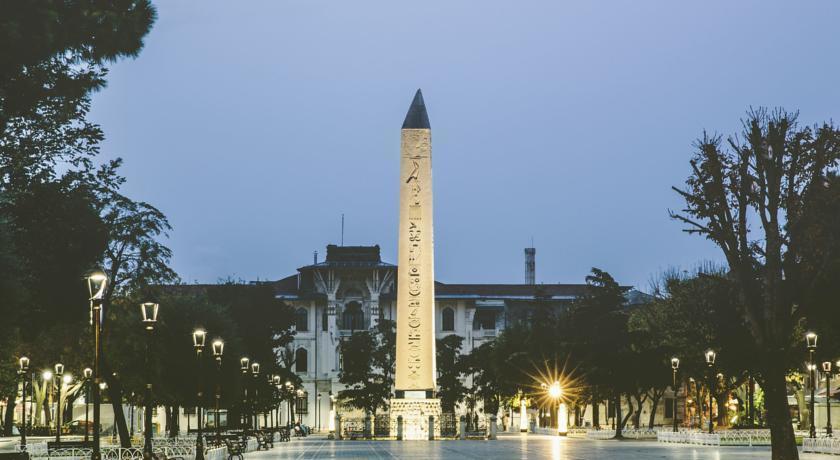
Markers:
<point>415,364</point>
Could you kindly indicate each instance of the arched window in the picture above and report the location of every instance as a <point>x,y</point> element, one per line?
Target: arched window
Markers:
<point>353,318</point>
<point>448,322</point>
<point>301,360</point>
<point>301,320</point>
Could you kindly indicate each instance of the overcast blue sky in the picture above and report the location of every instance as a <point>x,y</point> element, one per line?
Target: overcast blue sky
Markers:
<point>255,124</point>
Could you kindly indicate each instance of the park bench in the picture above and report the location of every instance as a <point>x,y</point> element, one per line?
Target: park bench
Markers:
<point>284,434</point>
<point>265,440</point>
<point>234,450</point>
<point>350,433</point>
<point>52,445</point>
<point>14,456</point>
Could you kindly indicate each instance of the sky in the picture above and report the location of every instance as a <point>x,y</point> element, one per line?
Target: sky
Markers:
<point>255,125</point>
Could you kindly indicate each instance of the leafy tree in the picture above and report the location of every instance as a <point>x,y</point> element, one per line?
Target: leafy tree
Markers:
<point>368,367</point>
<point>750,195</point>
<point>450,370</point>
<point>601,341</point>
<point>50,50</point>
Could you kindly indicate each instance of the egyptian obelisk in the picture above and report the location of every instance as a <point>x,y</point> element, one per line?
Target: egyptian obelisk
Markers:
<point>415,375</point>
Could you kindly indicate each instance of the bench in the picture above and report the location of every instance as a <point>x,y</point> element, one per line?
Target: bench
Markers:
<point>351,434</point>
<point>234,450</point>
<point>285,436</point>
<point>14,456</point>
<point>265,440</point>
<point>51,445</point>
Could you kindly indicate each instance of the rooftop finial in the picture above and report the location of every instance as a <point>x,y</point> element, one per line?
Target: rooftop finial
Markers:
<point>417,118</point>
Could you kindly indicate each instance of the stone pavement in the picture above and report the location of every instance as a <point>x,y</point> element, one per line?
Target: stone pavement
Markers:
<point>508,447</point>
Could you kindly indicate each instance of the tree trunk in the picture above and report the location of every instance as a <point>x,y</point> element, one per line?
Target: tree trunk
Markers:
<point>623,422</point>
<point>596,412</point>
<point>115,394</point>
<point>723,409</point>
<point>618,416</point>
<point>778,414</point>
<point>9,418</point>
<point>657,396</point>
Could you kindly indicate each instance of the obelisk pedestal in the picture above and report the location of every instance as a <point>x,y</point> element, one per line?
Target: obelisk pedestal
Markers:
<point>415,375</point>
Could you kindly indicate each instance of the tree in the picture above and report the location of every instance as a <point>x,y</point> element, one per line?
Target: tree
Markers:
<point>601,341</point>
<point>50,49</point>
<point>450,369</point>
<point>748,196</point>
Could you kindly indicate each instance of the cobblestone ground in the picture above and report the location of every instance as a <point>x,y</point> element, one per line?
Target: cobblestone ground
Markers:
<point>508,447</point>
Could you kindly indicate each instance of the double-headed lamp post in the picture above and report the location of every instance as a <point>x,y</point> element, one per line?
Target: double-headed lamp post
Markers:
<point>58,384</point>
<point>218,350</point>
<point>811,342</point>
<point>255,371</point>
<point>826,365</point>
<point>149,311</point>
<point>244,367</point>
<point>87,374</point>
<point>97,285</point>
<point>199,337</point>
<point>710,362</point>
<point>23,372</point>
<point>675,365</point>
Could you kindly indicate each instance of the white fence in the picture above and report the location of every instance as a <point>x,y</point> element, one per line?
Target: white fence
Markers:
<point>720,438</point>
<point>821,445</point>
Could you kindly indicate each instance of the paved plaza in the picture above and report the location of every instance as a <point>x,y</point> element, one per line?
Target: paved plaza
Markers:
<point>508,447</point>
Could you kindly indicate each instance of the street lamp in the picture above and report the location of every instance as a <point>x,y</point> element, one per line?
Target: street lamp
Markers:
<point>299,394</point>
<point>675,365</point>
<point>87,374</point>
<point>255,371</point>
<point>554,392</point>
<point>23,372</point>
<point>199,337</point>
<point>811,342</point>
<point>710,361</point>
<point>245,366</point>
<point>277,380</point>
<point>826,365</point>
<point>149,311</point>
<point>97,284</point>
<point>58,385</point>
<point>218,350</point>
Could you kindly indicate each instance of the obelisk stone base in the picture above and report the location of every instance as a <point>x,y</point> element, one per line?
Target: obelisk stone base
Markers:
<point>415,414</point>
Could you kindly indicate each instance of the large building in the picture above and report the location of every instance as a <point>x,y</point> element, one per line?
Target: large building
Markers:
<point>353,289</point>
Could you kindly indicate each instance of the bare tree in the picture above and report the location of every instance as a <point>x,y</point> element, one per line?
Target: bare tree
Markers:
<point>746,195</point>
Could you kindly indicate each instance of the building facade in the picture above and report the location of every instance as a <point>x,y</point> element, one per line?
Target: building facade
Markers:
<point>353,289</point>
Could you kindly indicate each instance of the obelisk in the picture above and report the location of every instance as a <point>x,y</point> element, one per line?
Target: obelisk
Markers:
<point>415,375</point>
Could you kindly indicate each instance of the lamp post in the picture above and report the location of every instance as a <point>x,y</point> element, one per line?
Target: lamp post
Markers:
<point>710,361</point>
<point>290,388</point>
<point>87,374</point>
<point>675,365</point>
<point>57,386</point>
<point>244,366</point>
<point>811,342</point>
<point>255,371</point>
<point>23,372</point>
<point>318,412</point>
<point>826,365</point>
<point>218,349</point>
<point>150,313</point>
<point>276,380</point>
<point>199,336</point>
<point>97,285</point>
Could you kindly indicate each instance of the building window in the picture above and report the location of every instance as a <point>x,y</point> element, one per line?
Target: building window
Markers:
<point>302,404</point>
<point>484,319</point>
<point>339,359</point>
<point>353,318</point>
<point>301,320</point>
<point>669,407</point>
<point>301,360</point>
<point>325,321</point>
<point>448,319</point>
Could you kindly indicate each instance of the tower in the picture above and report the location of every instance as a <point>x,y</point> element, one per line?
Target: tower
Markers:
<point>531,266</point>
<point>415,364</point>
